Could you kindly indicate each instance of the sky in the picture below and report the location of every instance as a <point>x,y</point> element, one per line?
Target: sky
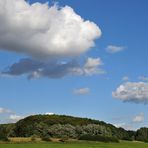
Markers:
<point>79,58</point>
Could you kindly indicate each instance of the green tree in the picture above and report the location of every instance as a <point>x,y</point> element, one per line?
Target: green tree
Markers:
<point>142,134</point>
<point>3,134</point>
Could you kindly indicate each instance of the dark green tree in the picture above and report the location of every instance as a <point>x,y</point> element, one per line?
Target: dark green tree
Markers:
<point>142,134</point>
<point>3,133</point>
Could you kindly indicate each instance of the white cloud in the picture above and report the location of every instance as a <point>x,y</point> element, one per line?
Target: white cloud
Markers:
<point>136,92</point>
<point>143,78</point>
<point>125,126</point>
<point>8,116</point>
<point>82,91</point>
<point>4,110</point>
<point>14,118</point>
<point>114,49</point>
<point>49,113</point>
<point>42,31</point>
<point>91,66</point>
<point>139,118</point>
<point>130,123</point>
<point>54,69</point>
<point>47,34</point>
<point>125,78</point>
<point>119,124</point>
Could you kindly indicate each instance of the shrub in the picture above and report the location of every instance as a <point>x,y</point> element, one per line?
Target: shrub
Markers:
<point>64,139</point>
<point>33,138</point>
<point>4,138</point>
<point>45,137</point>
<point>98,138</point>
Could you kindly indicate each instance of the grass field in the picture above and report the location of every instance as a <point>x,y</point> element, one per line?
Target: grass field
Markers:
<point>77,145</point>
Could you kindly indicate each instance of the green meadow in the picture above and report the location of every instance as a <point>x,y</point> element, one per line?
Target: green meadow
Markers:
<point>77,145</point>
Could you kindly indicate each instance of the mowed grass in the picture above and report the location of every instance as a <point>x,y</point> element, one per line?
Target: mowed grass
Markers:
<point>77,145</point>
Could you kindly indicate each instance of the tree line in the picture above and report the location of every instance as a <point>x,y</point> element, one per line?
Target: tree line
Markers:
<point>61,126</point>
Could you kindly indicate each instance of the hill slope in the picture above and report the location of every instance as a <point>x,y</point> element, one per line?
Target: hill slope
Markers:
<point>66,126</point>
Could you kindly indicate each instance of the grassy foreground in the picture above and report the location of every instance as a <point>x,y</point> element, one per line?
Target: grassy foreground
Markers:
<point>77,145</point>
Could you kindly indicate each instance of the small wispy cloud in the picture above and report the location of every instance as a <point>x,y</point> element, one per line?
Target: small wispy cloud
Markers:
<point>49,113</point>
<point>125,78</point>
<point>9,116</point>
<point>4,110</point>
<point>14,118</point>
<point>82,91</point>
<point>143,78</point>
<point>124,125</point>
<point>114,48</point>
<point>131,123</point>
<point>138,118</point>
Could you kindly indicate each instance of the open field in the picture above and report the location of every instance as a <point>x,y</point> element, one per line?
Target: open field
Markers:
<point>77,145</point>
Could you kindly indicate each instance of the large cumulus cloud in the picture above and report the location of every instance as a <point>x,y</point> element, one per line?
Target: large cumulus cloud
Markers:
<point>136,92</point>
<point>42,31</point>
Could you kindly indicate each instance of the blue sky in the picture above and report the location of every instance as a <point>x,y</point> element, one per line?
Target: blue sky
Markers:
<point>122,48</point>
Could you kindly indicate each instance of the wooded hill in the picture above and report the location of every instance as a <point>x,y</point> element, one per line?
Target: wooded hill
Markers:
<point>61,126</point>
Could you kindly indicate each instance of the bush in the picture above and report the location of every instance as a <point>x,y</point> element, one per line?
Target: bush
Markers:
<point>4,138</point>
<point>127,138</point>
<point>64,139</point>
<point>98,138</point>
<point>45,137</point>
<point>33,138</point>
